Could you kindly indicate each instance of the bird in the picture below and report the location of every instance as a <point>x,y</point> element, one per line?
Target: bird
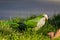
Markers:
<point>37,22</point>
<point>41,22</point>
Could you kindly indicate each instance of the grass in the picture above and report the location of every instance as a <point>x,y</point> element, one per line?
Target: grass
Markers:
<point>15,29</point>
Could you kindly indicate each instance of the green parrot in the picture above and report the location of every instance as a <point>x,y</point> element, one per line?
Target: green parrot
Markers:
<point>37,22</point>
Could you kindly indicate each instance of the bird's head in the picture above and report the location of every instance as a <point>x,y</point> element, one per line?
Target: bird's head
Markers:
<point>46,16</point>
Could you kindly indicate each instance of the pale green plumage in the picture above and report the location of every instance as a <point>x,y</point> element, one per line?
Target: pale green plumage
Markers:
<point>33,22</point>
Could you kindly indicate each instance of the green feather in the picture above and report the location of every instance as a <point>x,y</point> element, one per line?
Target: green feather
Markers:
<point>33,22</point>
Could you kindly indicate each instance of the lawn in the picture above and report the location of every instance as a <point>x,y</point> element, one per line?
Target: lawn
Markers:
<point>16,29</point>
